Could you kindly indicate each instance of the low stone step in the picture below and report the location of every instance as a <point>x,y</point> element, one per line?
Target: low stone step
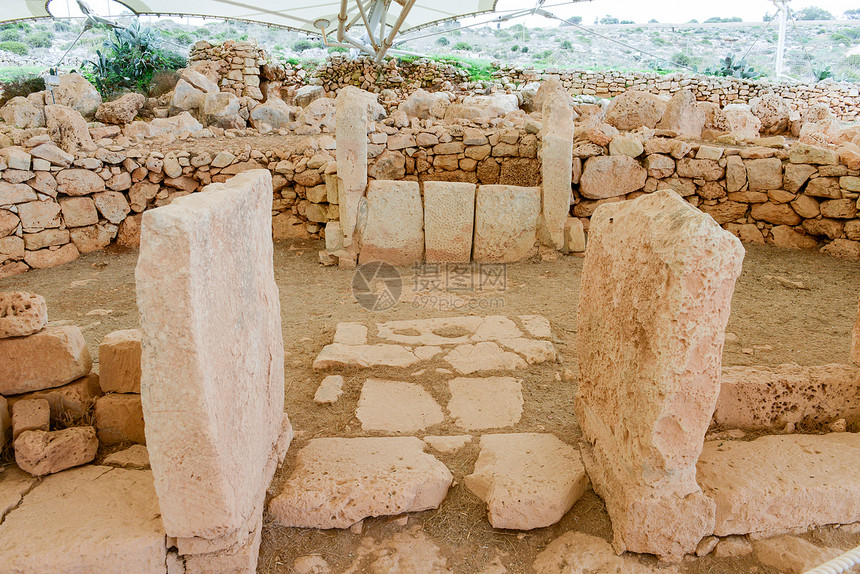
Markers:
<point>780,483</point>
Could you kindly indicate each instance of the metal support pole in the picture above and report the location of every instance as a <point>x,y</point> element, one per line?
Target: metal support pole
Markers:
<point>389,41</point>
<point>780,47</point>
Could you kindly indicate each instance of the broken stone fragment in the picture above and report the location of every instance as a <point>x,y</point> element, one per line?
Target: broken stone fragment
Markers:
<point>528,480</point>
<point>338,481</point>
<point>21,314</point>
<point>135,457</point>
<point>40,453</point>
<point>330,390</point>
<point>30,414</point>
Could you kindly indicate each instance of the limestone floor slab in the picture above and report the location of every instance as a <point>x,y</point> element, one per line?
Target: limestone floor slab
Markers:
<point>338,481</point>
<point>779,483</point>
<point>485,403</point>
<point>88,519</point>
<point>528,480</point>
<point>336,356</point>
<point>14,483</point>
<point>580,553</point>
<point>486,356</point>
<point>397,406</point>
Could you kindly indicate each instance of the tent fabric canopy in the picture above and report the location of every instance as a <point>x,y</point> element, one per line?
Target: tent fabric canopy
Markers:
<point>294,14</point>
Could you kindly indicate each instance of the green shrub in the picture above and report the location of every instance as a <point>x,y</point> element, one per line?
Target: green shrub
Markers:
<point>609,20</point>
<point>462,46</point>
<point>566,45</point>
<point>302,45</point>
<point>202,32</point>
<point>22,85</point>
<point>854,60</point>
<point>129,59</point>
<point>443,41</point>
<point>515,47</point>
<point>337,49</point>
<point>60,26</point>
<point>184,38</point>
<point>813,13</point>
<point>681,59</point>
<point>39,39</point>
<point>10,35</point>
<point>19,48</point>
<point>524,49</point>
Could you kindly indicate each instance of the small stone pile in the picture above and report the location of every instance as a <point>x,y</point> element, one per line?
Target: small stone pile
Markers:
<point>47,388</point>
<point>237,65</point>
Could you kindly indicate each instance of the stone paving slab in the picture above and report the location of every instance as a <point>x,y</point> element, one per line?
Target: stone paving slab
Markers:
<point>88,519</point>
<point>486,356</point>
<point>338,481</point>
<point>397,406</point>
<point>528,480</point>
<point>337,356</point>
<point>485,403</point>
<point>782,482</point>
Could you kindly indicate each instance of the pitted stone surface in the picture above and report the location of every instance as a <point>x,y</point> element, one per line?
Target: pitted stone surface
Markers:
<point>528,480</point>
<point>763,397</point>
<point>485,403</point>
<point>778,483</point>
<point>54,356</point>
<point>338,481</point>
<point>449,219</point>
<point>21,314</point>
<point>394,231</point>
<point>506,219</point>
<point>40,453</point>
<point>487,356</point>
<point>650,347</point>
<point>336,356</point>
<point>89,519</point>
<point>397,406</point>
<point>213,357</point>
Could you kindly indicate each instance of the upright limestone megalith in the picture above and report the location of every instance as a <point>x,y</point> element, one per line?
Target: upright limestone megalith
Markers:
<point>656,292</point>
<point>855,340</point>
<point>212,382</point>
<point>351,135</point>
<point>556,167</point>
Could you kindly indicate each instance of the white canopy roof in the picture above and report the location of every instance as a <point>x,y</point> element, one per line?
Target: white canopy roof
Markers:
<point>380,20</point>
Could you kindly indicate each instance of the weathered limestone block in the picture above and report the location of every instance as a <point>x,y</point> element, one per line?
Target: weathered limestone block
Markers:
<point>212,361</point>
<point>650,347</point>
<point>52,357</point>
<point>351,155</point>
<point>338,481</point>
<point>119,419</point>
<point>21,314</point>
<point>611,176</point>
<point>449,221</point>
<point>528,480</point>
<point>506,219</point>
<point>764,174</point>
<point>633,109</point>
<point>394,231</point>
<point>90,519</point>
<point>68,129</point>
<point>778,483</point>
<point>5,433</point>
<point>39,452</point>
<point>556,168</point>
<point>68,402</point>
<point>771,397</point>
<point>119,362</point>
<point>683,115</point>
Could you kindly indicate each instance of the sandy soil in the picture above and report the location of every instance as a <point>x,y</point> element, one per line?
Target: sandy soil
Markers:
<point>788,306</point>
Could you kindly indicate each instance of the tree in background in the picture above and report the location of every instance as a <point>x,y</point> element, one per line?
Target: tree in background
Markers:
<point>853,14</point>
<point>814,13</point>
<point>609,20</point>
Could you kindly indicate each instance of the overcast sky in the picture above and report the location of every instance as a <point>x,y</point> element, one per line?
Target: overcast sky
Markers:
<point>671,11</point>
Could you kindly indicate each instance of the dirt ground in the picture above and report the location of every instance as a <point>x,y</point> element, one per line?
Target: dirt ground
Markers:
<point>788,306</point>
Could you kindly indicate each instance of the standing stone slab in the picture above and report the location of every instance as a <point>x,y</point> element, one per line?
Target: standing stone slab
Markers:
<point>212,362</point>
<point>351,155</point>
<point>449,221</point>
<point>556,168</point>
<point>506,219</point>
<point>656,290</point>
<point>855,341</point>
<point>394,231</point>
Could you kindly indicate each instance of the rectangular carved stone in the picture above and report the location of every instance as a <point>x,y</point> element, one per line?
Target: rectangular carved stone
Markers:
<point>50,358</point>
<point>449,221</point>
<point>556,168</point>
<point>351,155</point>
<point>212,362</point>
<point>506,219</point>
<point>656,291</point>
<point>394,230</point>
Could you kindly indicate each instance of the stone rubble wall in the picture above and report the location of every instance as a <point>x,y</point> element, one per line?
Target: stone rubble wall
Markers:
<point>51,213</point>
<point>242,68</point>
